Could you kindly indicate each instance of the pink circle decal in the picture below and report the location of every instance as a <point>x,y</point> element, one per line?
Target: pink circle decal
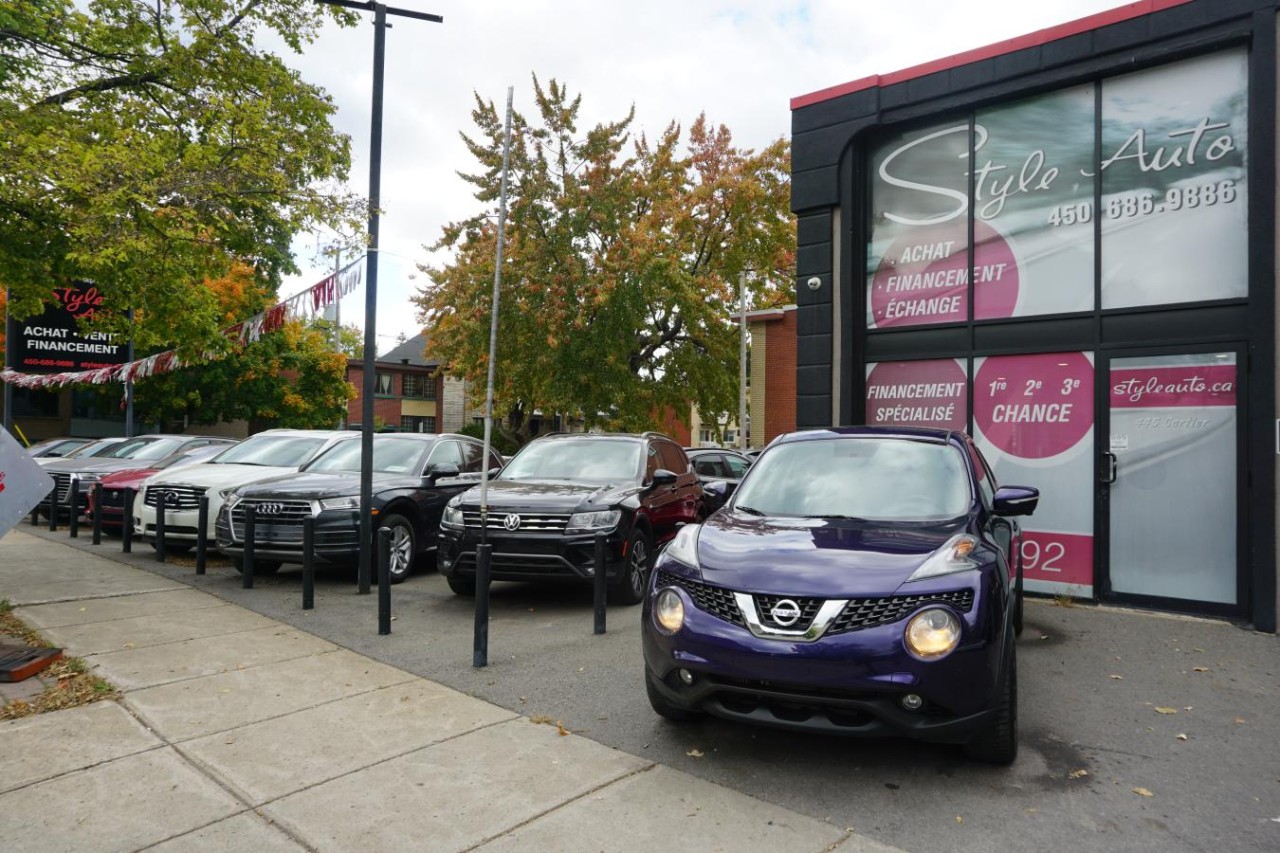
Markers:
<point>924,277</point>
<point>1034,406</point>
<point>917,393</point>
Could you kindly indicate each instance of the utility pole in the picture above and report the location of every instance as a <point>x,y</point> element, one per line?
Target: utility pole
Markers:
<point>380,12</point>
<point>742,360</point>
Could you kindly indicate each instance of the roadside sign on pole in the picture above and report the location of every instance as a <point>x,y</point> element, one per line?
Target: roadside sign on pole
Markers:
<point>23,483</point>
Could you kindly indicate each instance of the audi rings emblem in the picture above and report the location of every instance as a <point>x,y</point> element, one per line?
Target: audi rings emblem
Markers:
<point>786,613</point>
<point>511,522</point>
<point>269,509</point>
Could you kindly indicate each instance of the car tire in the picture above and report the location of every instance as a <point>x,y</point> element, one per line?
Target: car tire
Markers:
<point>463,586</point>
<point>260,567</point>
<point>999,744</point>
<point>404,544</point>
<point>665,709</point>
<point>629,587</point>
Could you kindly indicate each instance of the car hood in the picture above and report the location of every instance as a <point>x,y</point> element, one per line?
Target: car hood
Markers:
<point>89,466</point>
<point>548,495</point>
<point>217,476</point>
<point>130,478</point>
<point>836,558</point>
<point>318,486</point>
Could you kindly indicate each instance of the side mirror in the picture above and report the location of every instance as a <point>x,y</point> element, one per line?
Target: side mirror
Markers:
<point>663,477</point>
<point>1015,500</point>
<point>719,490</point>
<point>442,470</point>
<point>495,471</point>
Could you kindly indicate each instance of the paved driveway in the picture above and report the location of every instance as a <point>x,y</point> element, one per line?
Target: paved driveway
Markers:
<point>1139,731</point>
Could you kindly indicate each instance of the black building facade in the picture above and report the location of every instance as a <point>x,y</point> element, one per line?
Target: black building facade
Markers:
<point>1065,244</point>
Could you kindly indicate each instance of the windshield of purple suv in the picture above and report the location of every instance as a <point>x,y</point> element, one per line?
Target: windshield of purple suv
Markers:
<point>390,456</point>
<point>588,459</point>
<point>874,478</point>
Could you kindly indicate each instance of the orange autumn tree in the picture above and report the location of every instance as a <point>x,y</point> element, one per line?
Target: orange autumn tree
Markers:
<point>621,268</point>
<point>288,378</point>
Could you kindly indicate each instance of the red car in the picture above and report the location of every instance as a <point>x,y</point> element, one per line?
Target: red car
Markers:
<point>114,484</point>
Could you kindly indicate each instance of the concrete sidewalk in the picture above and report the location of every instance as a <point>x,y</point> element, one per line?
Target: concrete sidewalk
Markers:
<point>237,732</point>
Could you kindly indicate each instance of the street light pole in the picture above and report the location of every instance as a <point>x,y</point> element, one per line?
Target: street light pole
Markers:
<point>368,387</point>
<point>742,360</point>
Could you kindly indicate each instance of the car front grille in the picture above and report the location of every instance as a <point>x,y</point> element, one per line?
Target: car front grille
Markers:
<point>175,497</point>
<point>61,487</point>
<point>533,522</point>
<point>280,521</point>
<point>858,614</point>
<point>862,613</point>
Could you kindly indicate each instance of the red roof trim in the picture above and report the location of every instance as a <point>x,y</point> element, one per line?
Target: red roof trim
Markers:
<point>1039,37</point>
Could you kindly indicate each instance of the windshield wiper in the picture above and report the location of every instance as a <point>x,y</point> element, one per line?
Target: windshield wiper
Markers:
<point>749,510</point>
<point>836,517</point>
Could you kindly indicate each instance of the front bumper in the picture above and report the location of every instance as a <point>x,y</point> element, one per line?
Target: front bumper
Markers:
<point>531,556</point>
<point>850,684</point>
<point>337,539</point>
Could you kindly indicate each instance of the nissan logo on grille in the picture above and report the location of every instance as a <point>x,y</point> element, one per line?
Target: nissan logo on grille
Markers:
<point>269,509</point>
<point>511,522</point>
<point>786,613</point>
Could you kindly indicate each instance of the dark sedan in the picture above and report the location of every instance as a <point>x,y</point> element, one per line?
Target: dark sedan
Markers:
<point>414,476</point>
<point>860,582</point>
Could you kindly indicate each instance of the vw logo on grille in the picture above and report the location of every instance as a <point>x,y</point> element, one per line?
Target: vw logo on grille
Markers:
<point>786,613</point>
<point>270,509</point>
<point>511,522</point>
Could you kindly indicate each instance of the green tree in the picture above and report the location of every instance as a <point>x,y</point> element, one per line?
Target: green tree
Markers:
<point>289,378</point>
<point>151,144</point>
<point>621,267</point>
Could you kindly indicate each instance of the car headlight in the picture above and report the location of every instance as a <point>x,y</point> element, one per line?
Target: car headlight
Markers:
<point>602,520</point>
<point>452,517</point>
<point>684,547</point>
<point>932,633</point>
<point>668,611</point>
<point>955,556</point>
<point>229,498</point>
<point>349,502</point>
<point>88,478</point>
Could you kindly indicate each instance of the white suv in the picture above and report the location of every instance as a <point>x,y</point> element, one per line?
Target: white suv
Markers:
<point>267,454</point>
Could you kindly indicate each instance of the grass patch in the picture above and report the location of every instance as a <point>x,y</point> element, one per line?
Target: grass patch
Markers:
<point>73,684</point>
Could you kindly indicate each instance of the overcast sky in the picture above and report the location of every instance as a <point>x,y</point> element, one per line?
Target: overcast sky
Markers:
<point>739,62</point>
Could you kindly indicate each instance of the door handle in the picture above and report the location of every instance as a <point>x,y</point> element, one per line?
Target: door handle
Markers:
<point>1112,465</point>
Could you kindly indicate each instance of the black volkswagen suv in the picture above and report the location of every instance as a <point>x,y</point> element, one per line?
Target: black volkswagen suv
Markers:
<point>559,491</point>
<point>414,474</point>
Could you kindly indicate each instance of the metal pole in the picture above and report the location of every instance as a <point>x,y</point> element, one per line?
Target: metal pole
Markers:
<point>371,302</point>
<point>480,644</point>
<point>308,563</point>
<point>126,532</point>
<point>598,583</point>
<point>161,505</point>
<point>97,513</point>
<point>73,506</point>
<point>493,324</point>
<point>250,520</point>
<point>128,385</point>
<point>202,535</point>
<point>384,581</point>
<point>742,360</point>
<point>10,356</point>
<point>53,508</point>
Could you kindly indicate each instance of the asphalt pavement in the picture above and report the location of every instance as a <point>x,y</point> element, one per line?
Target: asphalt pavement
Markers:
<point>1139,731</point>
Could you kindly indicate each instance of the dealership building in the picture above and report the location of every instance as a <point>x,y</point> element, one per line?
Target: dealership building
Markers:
<point>1065,244</point>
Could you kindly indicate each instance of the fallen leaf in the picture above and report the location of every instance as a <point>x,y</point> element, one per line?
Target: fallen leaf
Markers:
<point>1118,677</point>
<point>561,730</point>
<point>1189,708</point>
<point>1143,792</point>
<point>1239,720</point>
<point>1199,669</point>
<point>539,719</point>
<point>959,819</point>
<point>694,753</point>
<point>1180,736</point>
<point>1160,710</point>
<point>1078,774</point>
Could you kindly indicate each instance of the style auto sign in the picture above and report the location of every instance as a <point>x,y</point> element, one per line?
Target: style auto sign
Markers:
<point>52,342</point>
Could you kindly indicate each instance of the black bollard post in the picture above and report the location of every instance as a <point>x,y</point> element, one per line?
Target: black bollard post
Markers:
<point>97,513</point>
<point>250,521</point>
<point>53,508</point>
<point>599,579</point>
<point>202,535</point>
<point>160,523</point>
<point>384,581</point>
<point>73,506</point>
<point>480,650</point>
<point>126,532</point>
<point>308,563</point>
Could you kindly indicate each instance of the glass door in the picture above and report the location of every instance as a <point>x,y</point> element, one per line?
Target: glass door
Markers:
<point>1169,474</point>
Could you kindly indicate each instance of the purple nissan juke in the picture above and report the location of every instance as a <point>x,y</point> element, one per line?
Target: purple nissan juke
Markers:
<point>861,581</point>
